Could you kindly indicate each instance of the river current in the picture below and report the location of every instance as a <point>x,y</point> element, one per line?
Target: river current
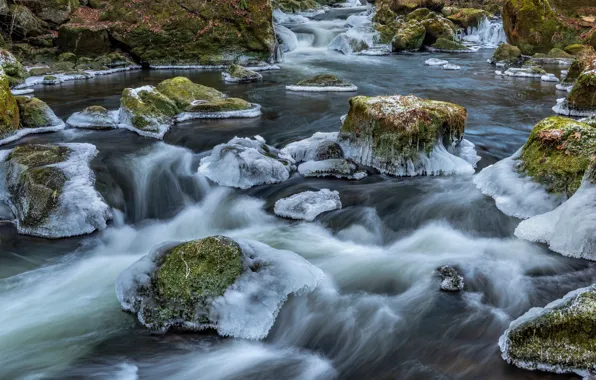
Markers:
<point>377,314</point>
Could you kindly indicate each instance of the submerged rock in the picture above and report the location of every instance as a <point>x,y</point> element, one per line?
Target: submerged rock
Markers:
<point>50,189</point>
<point>323,83</point>
<point>234,287</point>
<point>451,280</point>
<point>307,205</point>
<point>557,338</point>
<point>94,117</point>
<point>507,54</point>
<point>405,135</point>
<point>147,111</point>
<point>245,162</point>
<point>239,74</point>
<point>335,167</point>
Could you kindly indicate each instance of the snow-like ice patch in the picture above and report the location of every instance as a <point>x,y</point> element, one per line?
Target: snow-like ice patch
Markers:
<point>562,108</point>
<point>435,62</point>
<point>307,205</point>
<point>25,91</point>
<point>55,124</point>
<point>450,66</point>
<point>549,78</point>
<point>93,120</point>
<point>309,148</point>
<point>351,88</point>
<point>515,194</point>
<point>564,87</point>
<point>254,111</point>
<point>519,73</point>
<point>283,18</point>
<point>335,167</point>
<point>84,75</point>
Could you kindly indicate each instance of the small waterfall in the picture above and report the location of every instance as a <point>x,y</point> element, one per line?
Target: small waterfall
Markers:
<point>488,34</point>
<point>286,38</point>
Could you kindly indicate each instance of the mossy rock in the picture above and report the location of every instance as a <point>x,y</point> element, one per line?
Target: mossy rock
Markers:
<point>24,23</point>
<point>438,27</point>
<point>507,53</point>
<point>445,44</point>
<point>420,14</point>
<point>558,53</point>
<point>184,92</point>
<point>84,40</point>
<point>575,49</point>
<point>404,7</point>
<point>295,5</point>
<point>9,109</point>
<point>534,26</point>
<point>410,36</point>
<point>558,153</point>
<point>220,105</point>
<point>560,337</point>
<point>396,129</point>
<point>583,94</point>
<point>324,80</point>
<point>33,112</point>
<point>62,67</point>
<point>67,57</point>
<point>38,184</point>
<point>242,74</point>
<point>12,68</point>
<point>148,108</point>
<point>53,11</point>
<point>384,15</point>
<point>469,17</point>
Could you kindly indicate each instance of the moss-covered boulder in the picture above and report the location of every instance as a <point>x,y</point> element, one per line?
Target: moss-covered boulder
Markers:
<point>397,134</point>
<point>53,11</point>
<point>558,338</point>
<point>147,111</point>
<point>196,32</point>
<point>184,92</point>
<point>409,36</point>
<point>239,74</point>
<point>584,62</point>
<point>420,14</point>
<point>438,27</point>
<point>444,44</point>
<point>558,153</point>
<point>323,82</point>
<point>220,105</point>
<point>24,23</point>
<point>583,94</point>
<point>35,113</point>
<point>12,68</point>
<point>575,49</point>
<point>558,53</point>
<point>84,40</point>
<point>384,15</point>
<point>9,110</point>
<point>535,27</point>
<point>506,53</point>
<point>468,17</point>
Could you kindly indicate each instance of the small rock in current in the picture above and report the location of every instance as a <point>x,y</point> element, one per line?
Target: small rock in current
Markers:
<point>451,280</point>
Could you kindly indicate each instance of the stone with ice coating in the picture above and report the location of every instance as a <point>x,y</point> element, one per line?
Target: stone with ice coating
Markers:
<point>307,205</point>
<point>234,287</point>
<point>450,66</point>
<point>435,62</point>
<point>350,42</point>
<point>239,74</point>
<point>570,229</point>
<point>245,162</point>
<point>287,39</point>
<point>581,100</point>
<point>451,280</point>
<point>320,146</point>
<point>146,111</point>
<point>507,54</point>
<point>523,72</point>
<point>322,83</point>
<point>558,338</point>
<point>51,190</point>
<point>405,135</point>
<point>336,167</point>
<point>94,117</point>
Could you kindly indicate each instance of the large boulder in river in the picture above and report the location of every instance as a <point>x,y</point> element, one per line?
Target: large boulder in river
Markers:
<point>51,190</point>
<point>558,338</point>
<point>235,287</point>
<point>9,110</point>
<point>582,99</point>
<point>402,7</point>
<point>147,111</point>
<point>468,17</point>
<point>404,135</point>
<point>239,74</point>
<point>36,113</point>
<point>507,54</point>
<point>184,92</point>
<point>323,83</point>
<point>409,36</point>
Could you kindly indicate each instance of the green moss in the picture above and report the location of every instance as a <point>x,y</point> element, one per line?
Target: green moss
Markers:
<point>402,126</point>
<point>444,44</point>
<point>61,67</point>
<point>295,5</point>
<point>384,15</point>
<point>575,49</point>
<point>507,53</point>
<point>99,110</point>
<point>468,17</point>
<point>12,68</point>
<point>558,153</point>
<point>84,40</point>
<point>583,94</point>
<point>198,269</point>
<point>324,80</point>
<point>220,105</point>
<point>563,336</point>
<point>183,91</point>
<point>558,53</point>
<point>49,78</point>
<point>420,14</point>
<point>147,107</point>
<point>436,28</point>
<point>404,7</point>
<point>34,113</point>
<point>239,72</point>
<point>410,36</point>
<point>67,57</point>
<point>9,110</point>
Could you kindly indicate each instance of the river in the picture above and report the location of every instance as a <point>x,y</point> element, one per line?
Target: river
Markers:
<point>377,314</point>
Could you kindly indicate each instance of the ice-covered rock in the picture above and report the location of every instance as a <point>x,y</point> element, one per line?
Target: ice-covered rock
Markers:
<point>146,111</point>
<point>320,146</point>
<point>351,42</point>
<point>239,74</point>
<point>435,62</point>
<point>450,66</point>
<point>523,72</point>
<point>51,190</point>
<point>51,80</point>
<point>451,280</point>
<point>245,162</point>
<point>283,18</point>
<point>570,229</point>
<point>335,167</point>
<point>581,100</point>
<point>234,287</point>
<point>405,135</point>
<point>94,117</point>
<point>323,83</point>
<point>359,21</point>
<point>488,34</point>
<point>557,338</point>
<point>307,205</point>
<point>286,38</point>
<point>549,78</point>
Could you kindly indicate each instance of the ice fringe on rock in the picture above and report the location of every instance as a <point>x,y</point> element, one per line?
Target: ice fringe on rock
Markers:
<point>435,62</point>
<point>351,42</point>
<point>80,208</point>
<point>250,306</point>
<point>515,194</point>
<point>523,72</point>
<point>287,39</point>
<point>296,88</point>
<point>84,75</point>
<point>532,314</point>
<point>570,229</point>
<point>307,205</point>
<point>450,66</point>
<point>336,167</point>
<point>562,108</point>
<point>55,124</point>
<point>254,111</point>
<point>309,148</point>
<point>549,78</point>
<point>244,163</point>
<point>25,91</point>
<point>93,121</point>
<point>161,125</point>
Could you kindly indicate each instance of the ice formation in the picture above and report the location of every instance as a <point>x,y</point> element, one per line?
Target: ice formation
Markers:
<point>435,62</point>
<point>523,72</point>
<point>287,39</point>
<point>312,148</point>
<point>91,120</point>
<point>352,41</point>
<point>245,162</point>
<point>562,108</point>
<point>254,111</point>
<point>549,78</point>
<point>337,167</point>
<point>296,88</point>
<point>283,18</point>
<point>488,34</point>
<point>515,194</point>
<point>156,125</point>
<point>570,229</point>
<point>55,124</point>
<point>83,75</point>
<point>450,66</point>
<point>307,205</point>
<point>250,306</point>
<point>80,208</point>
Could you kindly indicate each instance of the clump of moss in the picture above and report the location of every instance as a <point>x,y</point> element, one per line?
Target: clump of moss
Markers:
<point>220,105</point>
<point>410,36</point>
<point>583,94</point>
<point>67,57</point>
<point>507,53</point>
<point>324,80</point>
<point>12,68</point>
<point>384,15</point>
<point>468,17</point>
<point>33,112</point>
<point>403,7</point>
<point>558,153</point>
<point>184,92</point>
<point>445,44</point>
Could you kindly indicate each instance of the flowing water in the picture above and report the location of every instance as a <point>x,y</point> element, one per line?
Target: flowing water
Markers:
<point>377,314</point>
